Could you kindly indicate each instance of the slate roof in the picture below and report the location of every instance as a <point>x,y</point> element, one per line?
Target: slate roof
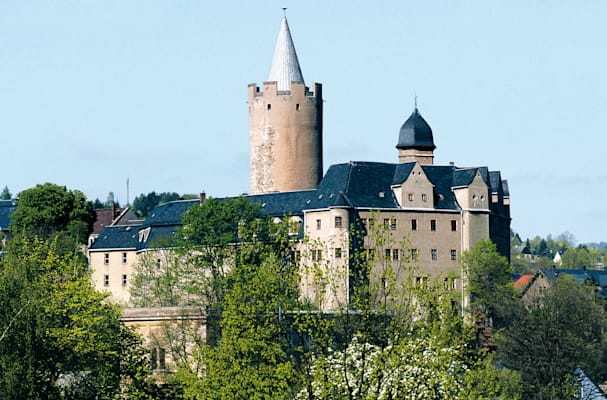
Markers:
<point>415,133</point>
<point>578,275</point>
<point>169,213</point>
<point>356,184</point>
<point>7,207</point>
<point>116,237</point>
<point>285,65</point>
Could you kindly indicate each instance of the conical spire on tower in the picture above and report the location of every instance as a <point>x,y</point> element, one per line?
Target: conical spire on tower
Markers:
<point>285,65</point>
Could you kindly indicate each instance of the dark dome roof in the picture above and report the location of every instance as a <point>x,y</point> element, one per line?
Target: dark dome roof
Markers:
<point>415,134</point>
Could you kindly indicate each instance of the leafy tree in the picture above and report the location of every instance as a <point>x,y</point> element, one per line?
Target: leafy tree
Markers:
<point>580,257</point>
<point>565,330</point>
<point>251,358</point>
<point>430,360</point>
<point>490,284</point>
<point>106,204</point>
<point>98,204</point>
<point>48,209</point>
<point>145,203</point>
<point>58,337</point>
<point>6,194</point>
<point>211,236</point>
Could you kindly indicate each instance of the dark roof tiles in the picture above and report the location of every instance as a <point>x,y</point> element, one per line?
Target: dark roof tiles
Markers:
<point>415,133</point>
<point>116,237</point>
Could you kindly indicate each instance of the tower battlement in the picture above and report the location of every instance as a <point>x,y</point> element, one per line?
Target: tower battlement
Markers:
<point>297,89</point>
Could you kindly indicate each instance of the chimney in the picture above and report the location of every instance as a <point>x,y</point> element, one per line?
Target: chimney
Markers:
<point>203,197</point>
<point>113,211</point>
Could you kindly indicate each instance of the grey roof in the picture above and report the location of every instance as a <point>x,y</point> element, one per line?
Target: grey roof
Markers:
<point>169,213</point>
<point>578,275</point>
<point>356,184</point>
<point>415,133</point>
<point>285,65</point>
<point>116,237</point>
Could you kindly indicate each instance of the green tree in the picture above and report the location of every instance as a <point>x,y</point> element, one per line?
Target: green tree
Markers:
<point>430,359</point>
<point>6,194</point>
<point>579,257</point>
<point>490,284</point>
<point>49,209</point>
<point>58,337</point>
<point>565,330</point>
<point>251,359</point>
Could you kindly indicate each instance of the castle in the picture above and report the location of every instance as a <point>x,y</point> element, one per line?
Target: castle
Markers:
<point>440,211</point>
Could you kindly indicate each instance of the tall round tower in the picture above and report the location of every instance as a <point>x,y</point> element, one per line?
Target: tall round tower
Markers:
<point>285,125</point>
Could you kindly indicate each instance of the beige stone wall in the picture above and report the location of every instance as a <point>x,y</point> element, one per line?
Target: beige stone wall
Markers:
<point>285,129</point>
<point>425,157</point>
<point>108,268</point>
<point>167,332</point>
<point>324,258</point>
<point>474,201</point>
<point>417,191</point>
<point>436,242</point>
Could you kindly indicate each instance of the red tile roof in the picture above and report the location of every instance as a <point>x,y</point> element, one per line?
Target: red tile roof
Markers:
<point>522,282</point>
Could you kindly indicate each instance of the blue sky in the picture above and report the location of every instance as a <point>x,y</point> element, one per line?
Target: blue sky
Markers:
<point>93,92</point>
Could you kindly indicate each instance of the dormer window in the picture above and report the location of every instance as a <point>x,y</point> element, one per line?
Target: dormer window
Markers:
<point>143,235</point>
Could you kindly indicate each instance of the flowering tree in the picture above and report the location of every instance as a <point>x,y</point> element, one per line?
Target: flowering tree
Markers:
<point>415,368</point>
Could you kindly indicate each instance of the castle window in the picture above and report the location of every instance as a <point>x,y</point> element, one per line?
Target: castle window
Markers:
<point>269,106</point>
<point>395,254</point>
<point>157,358</point>
<point>421,281</point>
<point>453,255</point>
<point>124,258</point>
<point>338,222</point>
<point>387,254</point>
<point>363,221</point>
<point>297,107</point>
<point>106,258</point>
<point>453,225</point>
<point>158,263</point>
<point>413,224</point>
<point>386,223</point>
<point>434,254</point>
<point>106,280</point>
<point>371,254</point>
<point>318,224</point>
<point>410,196</point>
<point>433,225</point>
<point>393,224</point>
<point>123,279</point>
<point>424,197</point>
<point>338,252</point>
<point>413,254</point>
